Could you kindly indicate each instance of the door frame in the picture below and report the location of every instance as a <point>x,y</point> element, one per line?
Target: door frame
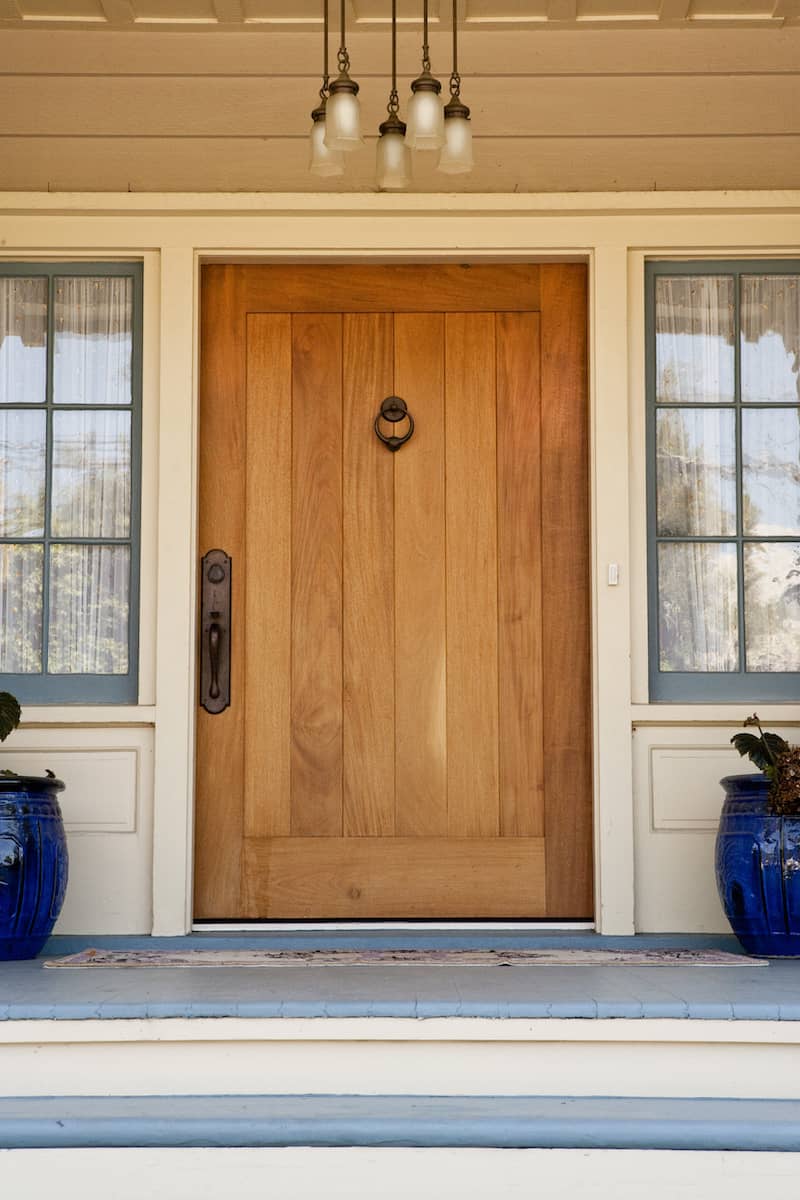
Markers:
<point>613,849</point>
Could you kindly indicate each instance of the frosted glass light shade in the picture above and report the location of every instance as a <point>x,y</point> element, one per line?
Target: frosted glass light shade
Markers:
<point>393,166</point>
<point>425,119</point>
<point>343,117</point>
<point>456,156</point>
<point>323,161</point>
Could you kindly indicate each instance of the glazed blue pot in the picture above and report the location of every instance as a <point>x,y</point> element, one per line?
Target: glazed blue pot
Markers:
<point>33,864</point>
<point>758,869</point>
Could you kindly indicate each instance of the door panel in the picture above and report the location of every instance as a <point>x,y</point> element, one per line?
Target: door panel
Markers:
<point>420,582</point>
<point>393,877</point>
<point>399,650</point>
<point>519,576</point>
<point>368,573</point>
<point>268,541</point>
<point>316,551</point>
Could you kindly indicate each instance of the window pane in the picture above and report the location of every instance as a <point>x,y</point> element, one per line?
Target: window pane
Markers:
<point>23,340</point>
<point>89,603</point>
<point>91,473</point>
<point>22,467</point>
<point>772,606</point>
<point>695,338</point>
<point>93,340</point>
<point>21,609</point>
<point>770,338</point>
<point>771,470</point>
<point>696,480</point>
<point>698,608</point>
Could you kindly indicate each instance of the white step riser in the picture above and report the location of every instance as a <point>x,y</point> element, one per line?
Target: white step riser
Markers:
<point>401,1057</point>
<point>391,1174</point>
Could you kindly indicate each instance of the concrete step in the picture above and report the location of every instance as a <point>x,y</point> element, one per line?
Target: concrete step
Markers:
<point>500,1122</point>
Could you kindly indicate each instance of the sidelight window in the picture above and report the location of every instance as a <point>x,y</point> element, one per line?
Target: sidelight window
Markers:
<point>723,365</point>
<point>70,428</point>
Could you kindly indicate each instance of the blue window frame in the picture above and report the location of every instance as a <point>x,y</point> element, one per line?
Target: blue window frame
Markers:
<point>723,448</point>
<point>70,481</point>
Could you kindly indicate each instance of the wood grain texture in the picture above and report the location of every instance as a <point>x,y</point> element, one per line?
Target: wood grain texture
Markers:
<point>471,523</point>
<point>316,757</point>
<point>220,739</point>
<point>444,689</point>
<point>566,591</point>
<point>519,554</point>
<point>393,288</point>
<point>368,576</point>
<point>350,878</point>
<point>268,585</point>
<point>420,586</point>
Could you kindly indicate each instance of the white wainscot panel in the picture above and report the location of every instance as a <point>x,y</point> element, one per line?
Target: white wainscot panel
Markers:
<point>677,802</point>
<point>108,813</point>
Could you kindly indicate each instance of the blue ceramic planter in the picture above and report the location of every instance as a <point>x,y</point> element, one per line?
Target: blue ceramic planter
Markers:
<point>758,869</point>
<point>33,864</point>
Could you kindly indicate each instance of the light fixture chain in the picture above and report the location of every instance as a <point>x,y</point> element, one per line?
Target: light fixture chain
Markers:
<point>393,107</point>
<point>426,51</point>
<point>455,78</point>
<point>323,91</point>
<point>343,58</point>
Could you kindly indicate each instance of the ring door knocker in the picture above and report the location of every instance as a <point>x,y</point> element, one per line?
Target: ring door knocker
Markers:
<point>394,410</point>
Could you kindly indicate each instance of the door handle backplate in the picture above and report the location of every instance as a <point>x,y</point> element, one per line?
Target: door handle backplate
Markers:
<point>215,631</point>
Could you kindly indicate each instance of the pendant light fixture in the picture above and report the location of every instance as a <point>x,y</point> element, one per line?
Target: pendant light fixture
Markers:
<point>393,166</point>
<point>425,112</point>
<point>323,160</point>
<point>456,155</point>
<point>343,116</point>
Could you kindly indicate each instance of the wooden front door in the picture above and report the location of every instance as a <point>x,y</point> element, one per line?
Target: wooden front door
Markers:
<point>409,729</point>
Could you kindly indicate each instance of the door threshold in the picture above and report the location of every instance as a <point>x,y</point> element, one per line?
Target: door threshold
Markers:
<point>383,926</point>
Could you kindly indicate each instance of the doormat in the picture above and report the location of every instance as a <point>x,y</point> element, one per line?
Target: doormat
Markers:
<point>395,958</point>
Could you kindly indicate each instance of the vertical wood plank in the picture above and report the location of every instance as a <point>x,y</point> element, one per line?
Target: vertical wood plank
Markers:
<point>471,522</point>
<point>316,708</point>
<point>220,739</point>
<point>421,720</point>
<point>566,591</point>
<point>267,786</point>
<point>368,501</point>
<point>519,552</point>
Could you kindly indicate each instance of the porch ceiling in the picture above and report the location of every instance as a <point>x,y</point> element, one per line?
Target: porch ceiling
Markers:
<point>566,95</point>
<point>371,14</point>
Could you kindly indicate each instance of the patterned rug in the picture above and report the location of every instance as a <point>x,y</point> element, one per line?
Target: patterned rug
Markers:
<point>395,958</point>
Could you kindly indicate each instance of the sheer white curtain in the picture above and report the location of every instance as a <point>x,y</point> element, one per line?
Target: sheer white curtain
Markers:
<point>21,608</point>
<point>695,318</point>
<point>91,482</point>
<point>93,334</point>
<point>23,333</point>
<point>771,339</point>
<point>89,610</point>
<point>91,489</point>
<point>696,475</point>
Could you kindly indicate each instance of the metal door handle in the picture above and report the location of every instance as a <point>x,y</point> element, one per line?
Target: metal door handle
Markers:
<point>393,410</point>
<point>215,632</point>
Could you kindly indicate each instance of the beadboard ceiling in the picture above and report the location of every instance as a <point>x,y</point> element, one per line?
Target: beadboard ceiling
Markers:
<point>370,14</point>
<point>566,95</point>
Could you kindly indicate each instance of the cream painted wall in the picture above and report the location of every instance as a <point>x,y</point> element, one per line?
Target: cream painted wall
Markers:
<point>614,233</point>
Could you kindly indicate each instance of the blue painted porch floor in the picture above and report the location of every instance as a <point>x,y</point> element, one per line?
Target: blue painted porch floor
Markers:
<point>740,992</point>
